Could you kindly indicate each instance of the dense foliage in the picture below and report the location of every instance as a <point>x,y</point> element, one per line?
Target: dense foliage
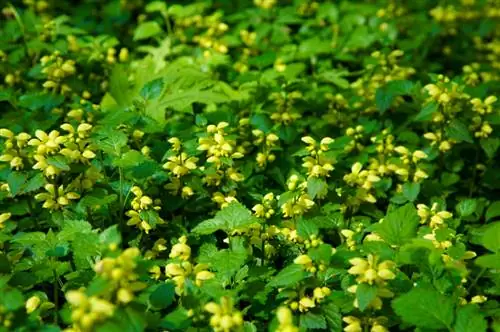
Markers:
<point>249,165</point>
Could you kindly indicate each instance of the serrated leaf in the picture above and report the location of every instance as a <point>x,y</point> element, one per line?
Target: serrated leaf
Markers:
<point>316,186</point>
<point>427,111</point>
<point>365,294</point>
<point>490,146</point>
<point>34,183</point>
<point>234,216</point>
<point>459,131</point>
<point>306,228</point>
<point>16,181</point>
<point>111,141</point>
<point>385,95</point>
<point>332,316</point>
<point>470,319</point>
<point>290,275</point>
<point>85,249</point>
<point>130,158</point>
<point>425,308</point>
<point>400,225</point>
<point>312,321</point>
<point>59,162</point>
<point>37,100</point>
<point>466,207</point>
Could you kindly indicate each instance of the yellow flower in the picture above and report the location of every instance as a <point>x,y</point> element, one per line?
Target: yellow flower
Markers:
<point>3,218</point>
<point>353,324</point>
<point>32,304</point>
<point>181,165</point>
<point>306,303</point>
<point>181,249</point>
<point>285,320</point>
<point>368,271</point>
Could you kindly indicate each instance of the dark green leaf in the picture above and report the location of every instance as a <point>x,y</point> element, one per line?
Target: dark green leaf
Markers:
<point>311,321</point>
<point>458,131</point>
<point>411,191</point>
<point>16,181</point>
<point>290,275</point>
<point>493,210</point>
<point>163,295</point>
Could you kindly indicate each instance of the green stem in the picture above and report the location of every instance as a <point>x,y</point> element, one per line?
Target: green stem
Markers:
<point>56,297</point>
<point>474,282</point>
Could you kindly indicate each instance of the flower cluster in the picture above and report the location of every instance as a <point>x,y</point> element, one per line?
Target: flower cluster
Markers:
<point>181,268</point>
<point>370,271</point>
<point>144,213</point>
<point>224,317</point>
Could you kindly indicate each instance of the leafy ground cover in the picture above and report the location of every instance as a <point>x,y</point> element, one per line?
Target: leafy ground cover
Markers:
<point>249,165</point>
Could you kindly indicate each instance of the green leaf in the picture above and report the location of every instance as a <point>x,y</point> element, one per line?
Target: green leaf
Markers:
<point>400,225</point>
<point>35,101</point>
<point>466,207</point>
<point>177,320</point>
<point>386,94</point>
<point>365,294</point>
<point>290,275</point>
<point>332,316</point>
<point>335,77</point>
<point>458,131</point>
<point>490,146</point>
<point>110,236</point>
<point>427,111</point>
<point>4,264</point>
<point>146,30</point>
<point>411,191</point>
<point>491,237</point>
<point>489,261</point>
<point>316,186</point>
<point>34,183</point>
<point>234,216</point>
<point>163,295</point>
<point>425,308</point>
<point>311,320</point>
<point>156,6</point>
<point>493,210</point>
<point>129,159</point>
<point>85,249</point>
<point>152,89</point>
<point>110,141</point>
<point>59,162</point>
<point>470,319</point>
<point>16,181</point>
<point>119,86</point>
<point>227,262</point>
<point>306,228</point>
<point>12,299</point>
